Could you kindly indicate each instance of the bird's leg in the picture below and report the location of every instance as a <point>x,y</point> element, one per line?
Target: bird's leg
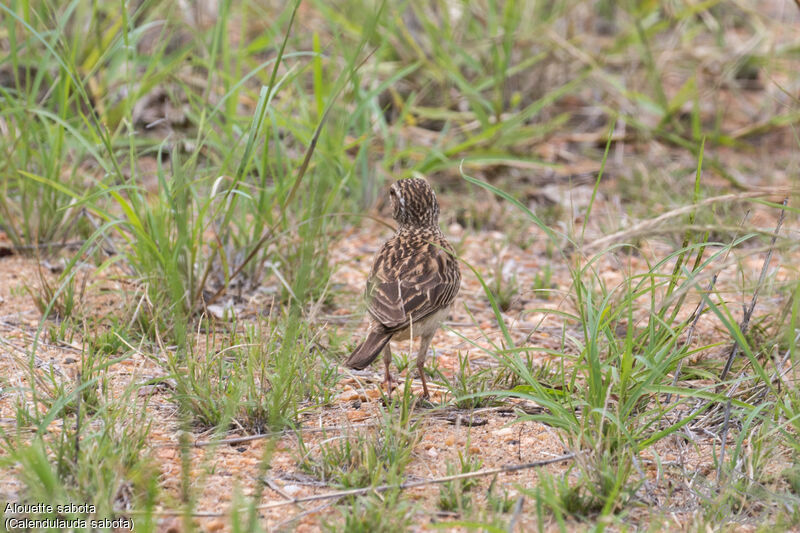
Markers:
<point>424,344</point>
<point>387,359</point>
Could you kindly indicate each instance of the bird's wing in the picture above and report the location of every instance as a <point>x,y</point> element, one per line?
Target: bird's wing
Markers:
<point>408,283</point>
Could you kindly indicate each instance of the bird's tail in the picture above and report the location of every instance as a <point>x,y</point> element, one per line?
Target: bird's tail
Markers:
<point>368,351</point>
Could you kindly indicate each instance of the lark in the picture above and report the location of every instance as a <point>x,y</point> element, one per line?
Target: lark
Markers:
<point>413,282</point>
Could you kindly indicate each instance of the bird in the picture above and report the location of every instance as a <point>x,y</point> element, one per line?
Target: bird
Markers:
<point>414,280</point>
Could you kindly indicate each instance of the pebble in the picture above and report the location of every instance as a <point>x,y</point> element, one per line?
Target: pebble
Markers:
<point>215,525</point>
<point>357,416</point>
<point>504,432</point>
<point>291,490</point>
<point>349,396</point>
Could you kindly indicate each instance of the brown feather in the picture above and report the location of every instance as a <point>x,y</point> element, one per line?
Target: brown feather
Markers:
<point>414,275</point>
<point>366,352</point>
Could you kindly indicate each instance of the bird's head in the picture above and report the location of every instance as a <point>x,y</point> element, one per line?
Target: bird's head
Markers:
<point>414,203</point>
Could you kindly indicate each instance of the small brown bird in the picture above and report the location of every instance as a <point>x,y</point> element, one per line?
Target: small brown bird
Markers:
<point>413,282</point>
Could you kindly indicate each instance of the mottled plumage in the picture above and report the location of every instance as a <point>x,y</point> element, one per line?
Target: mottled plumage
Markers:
<point>414,279</point>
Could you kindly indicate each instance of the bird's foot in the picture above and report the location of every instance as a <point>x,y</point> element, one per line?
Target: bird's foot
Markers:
<point>424,402</point>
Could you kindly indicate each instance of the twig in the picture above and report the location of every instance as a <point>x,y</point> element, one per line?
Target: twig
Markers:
<point>646,225</point>
<point>379,488</point>
<point>298,516</point>
<point>78,421</point>
<point>515,516</point>
<point>277,488</point>
<point>14,248</point>
<point>724,440</point>
<point>415,484</point>
<point>688,342</point>
<point>749,311</point>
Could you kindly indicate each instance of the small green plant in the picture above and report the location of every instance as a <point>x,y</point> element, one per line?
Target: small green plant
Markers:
<point>254,384</point>
<point>321,388</point>
<point>498,502</point>
<point>543,281</point>
<point>509,376</point>
<point>744,484</point>
<point>367,458</point>
<point>455,495</point>
<point>106,337</point>
<point>347,460</point>
<point>57,299</point>
<point>387,512</point>
<point>563,496</point>
<point>467,387</point>
<point>61,331</point>
<point>504,285</point>
<point>401,360</point>
<point>791,475</point>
